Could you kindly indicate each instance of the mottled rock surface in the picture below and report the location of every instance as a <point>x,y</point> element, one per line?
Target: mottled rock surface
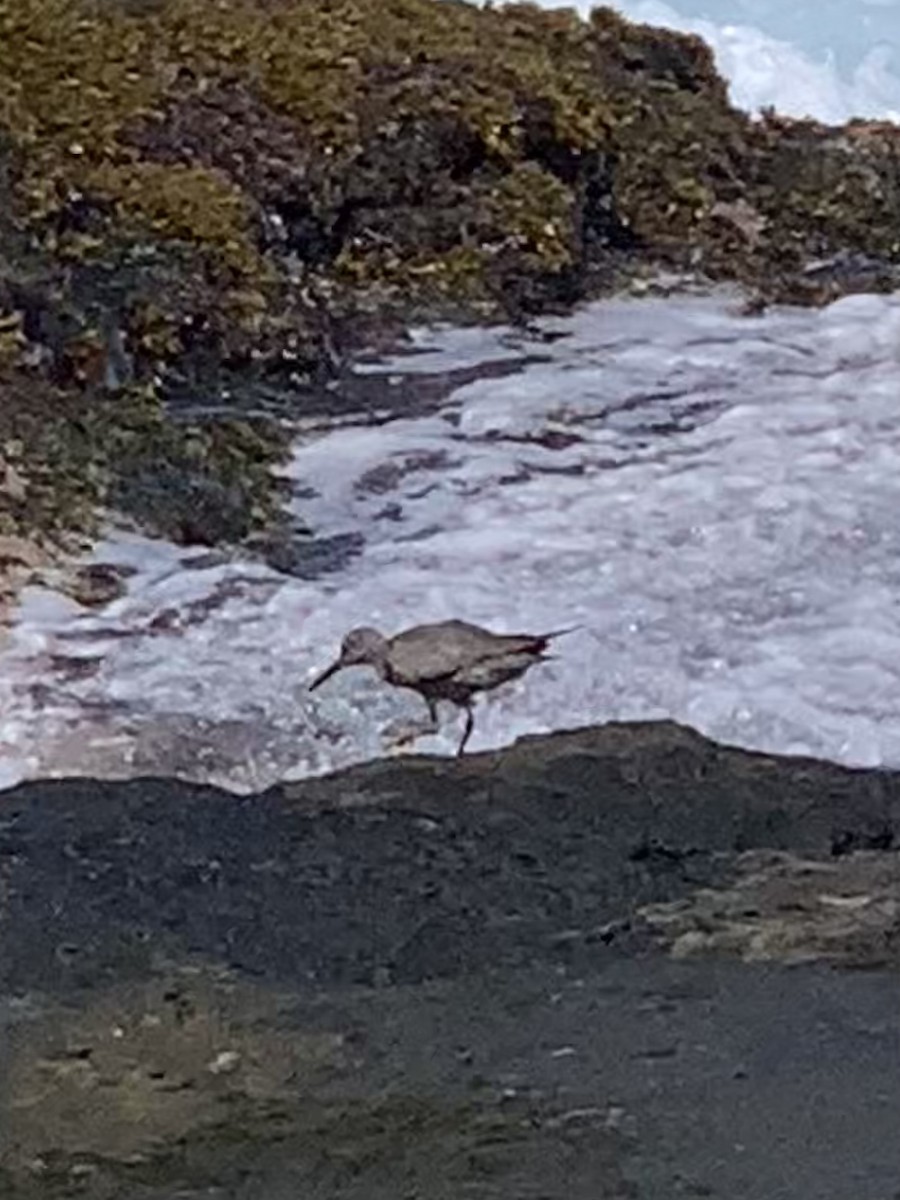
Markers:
<point>433,978</point>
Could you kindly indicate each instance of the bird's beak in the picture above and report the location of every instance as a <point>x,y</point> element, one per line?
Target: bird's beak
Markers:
<point>326,674</point>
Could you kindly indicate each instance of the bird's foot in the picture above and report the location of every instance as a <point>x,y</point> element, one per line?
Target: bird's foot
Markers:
<point>400,735</point>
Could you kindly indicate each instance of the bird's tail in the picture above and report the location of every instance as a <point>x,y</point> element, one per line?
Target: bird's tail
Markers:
<point>548,637</point>
<point>541,642</point>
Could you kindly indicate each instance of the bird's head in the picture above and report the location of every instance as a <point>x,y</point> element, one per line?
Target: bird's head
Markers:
<point>360,646</point>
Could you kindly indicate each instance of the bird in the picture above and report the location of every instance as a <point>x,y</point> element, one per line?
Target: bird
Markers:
<point>448,660</point>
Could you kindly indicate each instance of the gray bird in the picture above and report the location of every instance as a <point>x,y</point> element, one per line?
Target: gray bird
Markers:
<point>451,660</point>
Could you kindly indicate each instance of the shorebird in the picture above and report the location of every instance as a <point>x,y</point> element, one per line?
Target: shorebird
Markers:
<point>451,660</point>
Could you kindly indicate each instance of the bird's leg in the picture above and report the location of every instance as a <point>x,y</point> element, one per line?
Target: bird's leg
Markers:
<point>406,734</point>
<point>467,732</point>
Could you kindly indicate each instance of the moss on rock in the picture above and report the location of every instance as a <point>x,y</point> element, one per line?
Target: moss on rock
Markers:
<point>193,194</point>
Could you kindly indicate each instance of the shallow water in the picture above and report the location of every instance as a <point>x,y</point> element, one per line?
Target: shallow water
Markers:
<point>713,498</point>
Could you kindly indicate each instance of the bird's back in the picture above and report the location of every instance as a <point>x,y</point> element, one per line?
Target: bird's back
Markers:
<point>428,652</point>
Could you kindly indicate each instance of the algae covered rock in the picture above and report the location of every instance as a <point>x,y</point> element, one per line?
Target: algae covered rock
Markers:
<point>197,201</point>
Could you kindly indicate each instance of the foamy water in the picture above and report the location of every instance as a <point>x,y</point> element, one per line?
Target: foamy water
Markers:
<point>765,70</point>
<point>713,498</point>
<point>816,75</point>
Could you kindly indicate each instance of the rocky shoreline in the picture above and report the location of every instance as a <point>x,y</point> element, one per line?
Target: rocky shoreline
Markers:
<point>612,962</point>
<point>199,224</point>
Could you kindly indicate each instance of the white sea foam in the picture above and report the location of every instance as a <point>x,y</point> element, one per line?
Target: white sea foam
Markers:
<point>764,70</point>
<point>713,498</point>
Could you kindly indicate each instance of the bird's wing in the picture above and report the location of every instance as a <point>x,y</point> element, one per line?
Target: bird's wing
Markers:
<point>491,672</point>
<point>430,652</point>
<point>434,651</point>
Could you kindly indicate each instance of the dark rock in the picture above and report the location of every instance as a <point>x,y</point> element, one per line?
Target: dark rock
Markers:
<point>183,505</point>
<point>299,554</point>
<point>434,978</point>
<point>96,584</point>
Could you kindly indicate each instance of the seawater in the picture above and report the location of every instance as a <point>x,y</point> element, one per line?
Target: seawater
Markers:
<point>711,497</point>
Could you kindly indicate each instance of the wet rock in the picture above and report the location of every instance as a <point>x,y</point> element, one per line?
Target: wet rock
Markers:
<point>188,508</point>
<point>13,484</point>
<point>785,908</point>
<point>92,585</point>
<point>454,977</point>
<point>305,556</point>
<point>20,552</point>
<point>20,558</point>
